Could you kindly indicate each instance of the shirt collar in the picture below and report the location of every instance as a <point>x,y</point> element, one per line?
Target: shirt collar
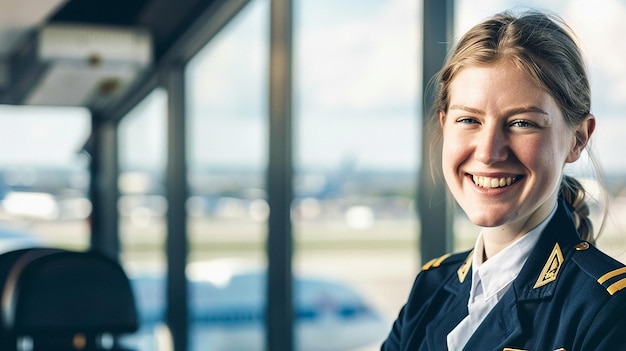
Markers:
<point>493,276</point>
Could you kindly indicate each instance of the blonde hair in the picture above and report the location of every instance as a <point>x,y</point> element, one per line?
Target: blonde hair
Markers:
<point>574,194</point>
<point>545,48</point>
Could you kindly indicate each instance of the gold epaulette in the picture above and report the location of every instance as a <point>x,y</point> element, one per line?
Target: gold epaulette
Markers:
<point>435,262</point>
<point>607,271</point>
<point>614,280</point>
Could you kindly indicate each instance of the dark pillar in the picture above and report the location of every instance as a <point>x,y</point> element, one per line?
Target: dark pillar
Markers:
<point>279,311</point>
<point>104,193</point>
<point>434,209</point>
<point>177,193</point>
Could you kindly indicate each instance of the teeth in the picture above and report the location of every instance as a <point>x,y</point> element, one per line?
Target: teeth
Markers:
<point>488,182</point>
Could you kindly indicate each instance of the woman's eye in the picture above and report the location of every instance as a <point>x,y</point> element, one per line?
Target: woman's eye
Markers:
<point>522,124</point>
<point>467,120</point>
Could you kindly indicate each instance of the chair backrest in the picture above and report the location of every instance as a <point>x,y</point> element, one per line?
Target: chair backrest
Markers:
<point>7,260</point>
<point>64,300</point>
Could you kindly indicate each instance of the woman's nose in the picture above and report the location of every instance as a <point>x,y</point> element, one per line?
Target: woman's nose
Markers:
<point>491,146</point>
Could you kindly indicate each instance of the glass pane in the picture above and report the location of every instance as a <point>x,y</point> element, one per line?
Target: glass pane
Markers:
<point>357,156</point>
<point>227,154</point>
<point>608,91</point>
<point>44,177</point>
<point>142,209</point>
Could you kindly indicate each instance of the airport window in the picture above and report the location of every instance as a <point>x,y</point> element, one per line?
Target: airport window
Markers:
<point>356,142</point>
<point>142,209</point>
<point>142,204</point>
<point>44,177</point>
<point>227,207</point>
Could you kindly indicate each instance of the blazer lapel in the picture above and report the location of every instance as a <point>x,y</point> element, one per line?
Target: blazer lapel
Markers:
<point>538,278</point>
<point>499,327</point>
<point>455,294</point>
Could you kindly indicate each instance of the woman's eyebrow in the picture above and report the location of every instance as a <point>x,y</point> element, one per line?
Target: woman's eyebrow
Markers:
<point>527,109</point>
<point>510,112</point>
<point>466,108</point>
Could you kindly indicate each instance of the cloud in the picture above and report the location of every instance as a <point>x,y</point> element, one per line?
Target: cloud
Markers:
<point>361,63</point>
<point>600,27</point>
<point>228,76</point>
<point>356,77</point>
<point>42,135</point>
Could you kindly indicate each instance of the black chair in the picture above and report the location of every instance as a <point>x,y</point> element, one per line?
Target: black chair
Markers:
<point>63,300</point>
<point>7,260</point>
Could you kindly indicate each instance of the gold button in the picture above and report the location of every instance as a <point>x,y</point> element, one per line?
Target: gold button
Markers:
<point>582,246</point>
<point>80,341</point>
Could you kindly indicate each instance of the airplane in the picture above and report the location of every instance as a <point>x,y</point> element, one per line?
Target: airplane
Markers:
<point>227,311</point>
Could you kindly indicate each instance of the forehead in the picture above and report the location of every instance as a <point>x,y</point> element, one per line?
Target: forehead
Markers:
<point>499,83</point>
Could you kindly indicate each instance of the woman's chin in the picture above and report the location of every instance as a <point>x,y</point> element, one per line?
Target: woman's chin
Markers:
<point>487,221</point>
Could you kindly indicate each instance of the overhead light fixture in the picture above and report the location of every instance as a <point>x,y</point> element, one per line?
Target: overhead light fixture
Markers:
<point>79,65</point>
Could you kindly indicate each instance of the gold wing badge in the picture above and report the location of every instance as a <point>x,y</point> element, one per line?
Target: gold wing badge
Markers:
<point>465,267</point>
<point>551,268</point>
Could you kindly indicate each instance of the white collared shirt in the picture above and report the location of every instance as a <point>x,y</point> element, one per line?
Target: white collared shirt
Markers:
<point>491,279</point>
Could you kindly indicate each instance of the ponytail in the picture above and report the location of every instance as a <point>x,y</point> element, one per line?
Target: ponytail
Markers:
<point>574,195</point>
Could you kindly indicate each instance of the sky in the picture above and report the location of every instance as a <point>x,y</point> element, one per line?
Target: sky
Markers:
<point>356,90</point>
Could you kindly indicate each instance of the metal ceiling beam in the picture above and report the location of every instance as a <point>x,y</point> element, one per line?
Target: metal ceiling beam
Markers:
<point>184,48</point>
<point>202,30</point>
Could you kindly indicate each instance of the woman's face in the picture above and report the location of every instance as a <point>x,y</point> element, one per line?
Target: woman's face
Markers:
<point>505,143</point>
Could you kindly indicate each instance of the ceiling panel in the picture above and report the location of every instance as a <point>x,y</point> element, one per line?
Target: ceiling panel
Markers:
<point>18,17</point>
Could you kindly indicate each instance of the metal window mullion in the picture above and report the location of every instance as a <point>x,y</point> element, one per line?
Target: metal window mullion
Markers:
<point>177,193</point>
<point>279,310</point>
<point>434,210</point>
<point>104,192</point>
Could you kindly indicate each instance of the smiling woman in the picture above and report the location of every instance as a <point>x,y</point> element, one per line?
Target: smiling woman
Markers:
<point>513,108</point>
<point>500,127</point>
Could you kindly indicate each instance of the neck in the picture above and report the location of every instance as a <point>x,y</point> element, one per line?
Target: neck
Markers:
<point>496,239</point>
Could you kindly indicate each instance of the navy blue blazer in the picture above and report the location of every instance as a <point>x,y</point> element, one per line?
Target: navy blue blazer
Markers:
<point>568,296</point>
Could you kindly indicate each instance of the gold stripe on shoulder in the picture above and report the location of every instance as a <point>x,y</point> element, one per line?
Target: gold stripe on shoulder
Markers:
<point>510,349</point>
<point>617,286</point>
<point>465,267</point>
<point>611,274</point>
<point>438,261</point>
<point>428,264</point>
<point>435,262</point>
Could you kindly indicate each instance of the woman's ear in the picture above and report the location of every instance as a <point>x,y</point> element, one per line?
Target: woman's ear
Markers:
<point>582,134</point>
<point>442,118</point>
